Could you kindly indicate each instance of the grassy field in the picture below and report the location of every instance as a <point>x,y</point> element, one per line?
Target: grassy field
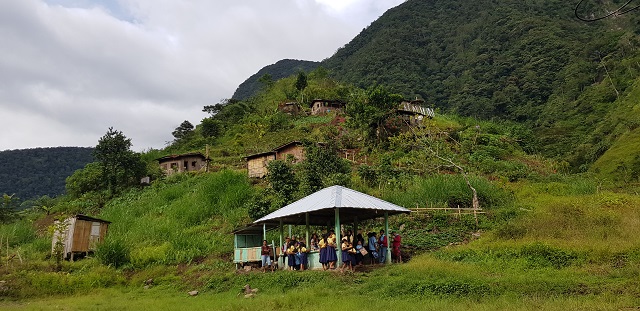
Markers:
<point>556,244</point>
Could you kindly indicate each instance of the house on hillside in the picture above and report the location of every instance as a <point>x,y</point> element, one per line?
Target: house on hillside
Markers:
<point>78,234</point>
<point>186,162</point>
<point>413,112</point>
<point>324,106</point>
<point>257,163</point>
<point>291,108</point>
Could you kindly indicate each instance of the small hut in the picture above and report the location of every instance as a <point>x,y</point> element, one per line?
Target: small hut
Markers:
<point>186,162</point>
<point>325,106</point>
<point>291,108</point>
<point>257,163</point>
<point>79,234</point>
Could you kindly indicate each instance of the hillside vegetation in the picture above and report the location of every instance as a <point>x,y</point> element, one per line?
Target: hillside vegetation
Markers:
<point>511,83</point>
<point>31,173</point>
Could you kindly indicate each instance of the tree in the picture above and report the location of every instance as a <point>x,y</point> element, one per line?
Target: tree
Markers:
<point>322,167</point>
<point>8,207</point>
<point>120,167</point>
<point>301,84</point>
<point>211,127</point>
<point>85,180</point>
<point>184,130</point>
<point>282,180</point>
<point>370,111</point>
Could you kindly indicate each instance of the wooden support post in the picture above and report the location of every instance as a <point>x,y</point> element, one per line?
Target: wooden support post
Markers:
<point>338,238</point>
<point>355,229</point>
<point>386,232</point>
<point>264,232</point>
<point>281,241</point>
<point>306,220</point>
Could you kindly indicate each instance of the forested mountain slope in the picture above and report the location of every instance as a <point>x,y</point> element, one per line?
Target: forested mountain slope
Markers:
<point>30,173</point>
<point>279,70</point>
<point>530,62</point>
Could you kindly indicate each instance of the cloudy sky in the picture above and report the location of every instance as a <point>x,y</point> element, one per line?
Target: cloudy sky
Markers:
<point>70,69</point>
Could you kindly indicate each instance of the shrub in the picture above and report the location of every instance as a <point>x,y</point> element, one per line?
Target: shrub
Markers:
<point>113,252</point>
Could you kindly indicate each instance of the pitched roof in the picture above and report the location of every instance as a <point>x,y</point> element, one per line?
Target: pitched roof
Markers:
<point>321,207</point>
<point>179,156</point>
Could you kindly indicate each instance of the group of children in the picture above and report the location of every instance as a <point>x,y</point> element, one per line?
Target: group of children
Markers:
<point>353,250</point>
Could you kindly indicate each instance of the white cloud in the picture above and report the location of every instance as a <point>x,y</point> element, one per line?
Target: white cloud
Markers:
<point>69,69</point>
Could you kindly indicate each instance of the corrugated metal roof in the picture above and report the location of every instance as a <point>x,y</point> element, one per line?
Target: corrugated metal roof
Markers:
<point>417,109</point>
<point>319,203</point>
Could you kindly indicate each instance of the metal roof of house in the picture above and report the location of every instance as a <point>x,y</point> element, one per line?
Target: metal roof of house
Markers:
<point>321,207</point>
<point>416,109</point>
<point>180,156</point>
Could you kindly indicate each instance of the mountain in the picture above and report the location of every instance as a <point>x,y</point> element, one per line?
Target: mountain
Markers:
<point>36,172</point>
<point>279,70</point>
<point>531,62</point>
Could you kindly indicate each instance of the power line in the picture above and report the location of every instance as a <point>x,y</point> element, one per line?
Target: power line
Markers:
<point>620,11</point>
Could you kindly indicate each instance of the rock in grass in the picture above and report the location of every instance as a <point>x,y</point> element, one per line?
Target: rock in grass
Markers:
<point>193,293</point>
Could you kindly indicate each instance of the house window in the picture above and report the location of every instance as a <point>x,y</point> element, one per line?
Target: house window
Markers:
<point>193,164</point>
<point>186,165</point>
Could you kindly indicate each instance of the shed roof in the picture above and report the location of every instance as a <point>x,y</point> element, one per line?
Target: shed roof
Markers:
<point>179,156</point>
<point>321,207</point>
<point>89,218</point>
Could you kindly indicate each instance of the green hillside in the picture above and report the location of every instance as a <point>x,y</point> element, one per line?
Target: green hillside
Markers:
<point>277,71</point>
<point>535,111</point>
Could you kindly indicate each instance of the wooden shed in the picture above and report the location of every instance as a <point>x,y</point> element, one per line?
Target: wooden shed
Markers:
<point>294,148</point>
<point>257,163</point>
<point>80,234</point>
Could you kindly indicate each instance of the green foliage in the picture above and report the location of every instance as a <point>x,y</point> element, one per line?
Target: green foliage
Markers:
<point>88,179</point>
<point>371,110</point>
<point>184,130</point>
<point>211,127</point>
<point>8,207</point>
<point>282,180</point>
<point>177,220</point>
<point>31,173</point>
<point>120,167</point>
<point>322,168</point>
<point>113,252</point>
<point>282,69</point>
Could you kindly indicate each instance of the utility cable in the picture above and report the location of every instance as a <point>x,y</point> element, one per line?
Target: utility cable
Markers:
<point>620,11</point>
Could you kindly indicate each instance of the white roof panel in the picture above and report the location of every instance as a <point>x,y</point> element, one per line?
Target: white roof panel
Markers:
<point>335,197</point>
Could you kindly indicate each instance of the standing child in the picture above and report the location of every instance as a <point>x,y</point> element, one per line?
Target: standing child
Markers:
<point>359,257</point>
<point>332,257</point>
<point>323,251</point>
<point>266,257</point>
<point>383,242</point>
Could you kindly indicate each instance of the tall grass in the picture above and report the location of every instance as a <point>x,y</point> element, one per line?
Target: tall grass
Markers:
<point>447,190</point>
<point>178,221</point>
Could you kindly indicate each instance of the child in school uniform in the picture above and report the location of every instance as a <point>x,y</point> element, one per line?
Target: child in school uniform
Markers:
<point>332,257</point>
<point>323,251</point>
<point>302,254</point>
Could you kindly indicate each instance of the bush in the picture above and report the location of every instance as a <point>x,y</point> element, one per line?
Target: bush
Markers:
<point>113,252</point>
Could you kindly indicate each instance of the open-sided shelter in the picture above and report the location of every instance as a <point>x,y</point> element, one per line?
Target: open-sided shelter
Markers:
<point>329,207</point>
<point>79,234</point>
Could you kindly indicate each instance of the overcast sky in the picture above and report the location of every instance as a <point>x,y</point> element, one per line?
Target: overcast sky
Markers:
<point>70,69</point>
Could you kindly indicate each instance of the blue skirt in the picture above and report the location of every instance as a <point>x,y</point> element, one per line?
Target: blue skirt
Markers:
<point>331,254</point>
<point>291,260</point>
<point>347,257</point>
<point>303,259</point>
<point>323,255</point>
